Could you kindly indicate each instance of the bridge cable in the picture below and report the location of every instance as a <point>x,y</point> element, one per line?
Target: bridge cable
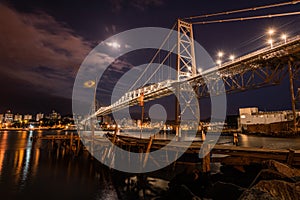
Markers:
<point>152,60</point>
<point>247,18</point>
<point>243,10</point>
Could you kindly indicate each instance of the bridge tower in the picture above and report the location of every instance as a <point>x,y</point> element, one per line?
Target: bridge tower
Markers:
<point>186,63</point>
<point>186,68</point>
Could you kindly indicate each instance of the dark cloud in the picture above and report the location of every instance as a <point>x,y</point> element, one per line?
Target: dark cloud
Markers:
<point>138,4</point>
<point>37,49</point>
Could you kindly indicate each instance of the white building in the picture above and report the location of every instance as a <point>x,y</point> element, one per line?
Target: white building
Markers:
<point>251,116</point>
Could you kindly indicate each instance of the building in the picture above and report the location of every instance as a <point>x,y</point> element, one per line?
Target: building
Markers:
<point>8,117</point>
<point>39,116</point>
<point>27,117</point>
<point>18,118</point>
<point>252,120</point>
<point>55,115</point>
<point>1,118</point>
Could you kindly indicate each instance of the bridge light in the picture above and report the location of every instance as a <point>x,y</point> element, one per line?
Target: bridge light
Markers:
<point>219,62</point>
<point>270,41</point>
<point>232,57</point>
<point>284,37</point>
<point>271,31</point>
<point>220,54</point>
<point>199,70</point>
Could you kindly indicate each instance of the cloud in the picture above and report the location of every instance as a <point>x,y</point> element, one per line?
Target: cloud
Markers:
<point>138,4</point>
<point>37,49</point>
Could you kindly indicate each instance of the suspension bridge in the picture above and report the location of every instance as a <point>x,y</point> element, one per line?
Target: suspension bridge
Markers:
<point>267,66</point>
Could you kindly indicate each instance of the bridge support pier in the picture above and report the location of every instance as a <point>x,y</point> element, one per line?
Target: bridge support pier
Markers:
<point>293,100</point>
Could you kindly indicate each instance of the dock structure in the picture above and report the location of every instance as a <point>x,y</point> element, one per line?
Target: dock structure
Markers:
<point>225,154</point>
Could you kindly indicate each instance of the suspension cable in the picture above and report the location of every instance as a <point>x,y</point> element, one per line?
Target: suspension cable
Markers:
<point>153,58</point>
<point>243,10</point>
<point>247,18</point>
<point>164,60</point>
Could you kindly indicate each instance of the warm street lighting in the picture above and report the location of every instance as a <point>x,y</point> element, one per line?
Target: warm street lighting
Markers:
<point>284,36</point>
<point>231,57</point>
<point>220,54</point>
<point>270,41</point>
<point>271,32</point>
<point>219,62</point>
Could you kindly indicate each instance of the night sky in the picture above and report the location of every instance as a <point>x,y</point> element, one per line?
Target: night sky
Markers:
<point>43,43</point>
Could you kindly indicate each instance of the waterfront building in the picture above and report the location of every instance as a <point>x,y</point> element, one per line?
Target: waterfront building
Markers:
<point>39,116</point>
<point>18,118</point>
<point>8,117</point>
<point>253,120</point>
<point>1,118</point>
<point>55,115</point>
<point>27,117</point>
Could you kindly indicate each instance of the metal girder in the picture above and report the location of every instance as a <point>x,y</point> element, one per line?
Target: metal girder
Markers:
<point>249,78</point>
<point>186,63</point>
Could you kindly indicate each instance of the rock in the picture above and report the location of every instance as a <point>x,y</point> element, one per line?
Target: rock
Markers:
<point>282,168</point>
<point>268,174</point>
<point>253,194</point>
<point>274,189</point>
<point>222,191</point>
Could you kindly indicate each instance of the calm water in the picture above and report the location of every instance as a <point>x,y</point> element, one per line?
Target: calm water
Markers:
<point>30,171</point>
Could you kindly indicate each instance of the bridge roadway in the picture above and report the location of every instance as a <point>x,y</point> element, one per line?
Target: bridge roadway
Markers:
<point>256,62</point>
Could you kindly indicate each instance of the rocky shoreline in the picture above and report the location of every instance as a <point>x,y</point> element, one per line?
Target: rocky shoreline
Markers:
<point>270,180</point>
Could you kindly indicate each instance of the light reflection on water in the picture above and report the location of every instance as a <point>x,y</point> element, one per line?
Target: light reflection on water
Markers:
<point>28,170</point>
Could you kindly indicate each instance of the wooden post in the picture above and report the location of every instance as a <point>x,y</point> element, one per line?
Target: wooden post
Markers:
<point>290,157</point>
<point>206,158</point>
<point>147,152</point>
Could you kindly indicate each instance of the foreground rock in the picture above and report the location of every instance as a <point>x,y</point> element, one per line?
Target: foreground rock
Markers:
<point>274,189</point>
<point>282,168</point>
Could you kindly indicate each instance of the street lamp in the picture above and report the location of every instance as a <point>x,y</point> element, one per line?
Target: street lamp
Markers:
<point>270,41</point>
<point>220,55</point>
<point>271,32</point>
<point>232,57</point>
<point>284,37</point>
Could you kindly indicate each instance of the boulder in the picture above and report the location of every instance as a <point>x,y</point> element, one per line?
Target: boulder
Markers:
<point>273,189</point>
<point>268,174</point>
<point>282,168</point>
